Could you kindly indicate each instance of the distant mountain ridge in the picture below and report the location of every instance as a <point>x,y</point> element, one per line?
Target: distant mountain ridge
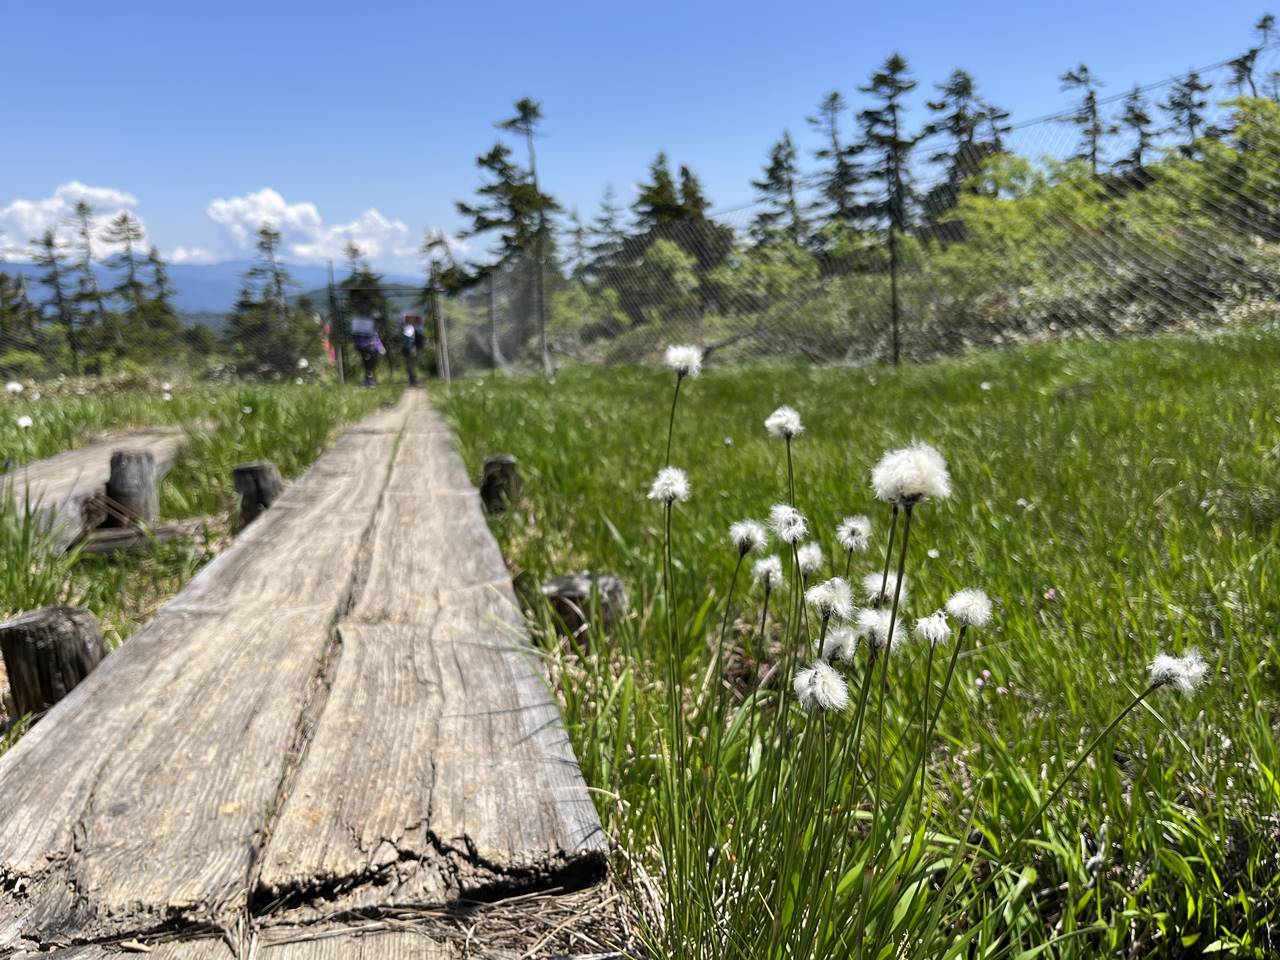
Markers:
<point>205,292</point>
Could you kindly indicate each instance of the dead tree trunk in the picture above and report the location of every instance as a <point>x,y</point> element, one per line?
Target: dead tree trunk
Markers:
<point>47,652</point>
<point>133,490</point>
<point>259,486</point>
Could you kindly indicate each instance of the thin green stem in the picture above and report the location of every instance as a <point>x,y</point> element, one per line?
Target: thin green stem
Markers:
<point>671,423</point>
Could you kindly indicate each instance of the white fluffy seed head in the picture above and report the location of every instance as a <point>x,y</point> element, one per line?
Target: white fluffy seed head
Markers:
<point>840,644</point>
<point>910,475</point>
<point>685,360</point>
<point>13,388</point>
<point>854,533</point>
<point>933,629</point>
<point>873,625</point>
<point>872,582</point>
<point>1185,672</point>
<point>820,687</point>
<point>809,556</point>
<point>784,422</point>
<point>788,523</point>
<point>970,607</point>
<point>670,485</point>
<point>747,535</point>
<point>768,572</point>
<point>831,598</point>
<point>24,422</point>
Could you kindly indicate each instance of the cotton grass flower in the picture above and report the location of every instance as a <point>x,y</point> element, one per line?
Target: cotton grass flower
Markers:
<point>872,583</point>
<point>13,388</point>
<point>971,607</point>
<point>784,422</point>
<point>933,629</point>
<point>809,556</point>
<point>671,485</point>
<point>910,475</point>
<point>788,523</point>
<point>854,533</point>
<point>768,572</point>
<point>831,598</point>
<point>303,363</point>
<point>685,360</point>
<point>1186,672</point>
<point>820,687</point>
<point>840,644</point>
<point>747,535</point>
<point>873,624</point>
<point>24,422</point>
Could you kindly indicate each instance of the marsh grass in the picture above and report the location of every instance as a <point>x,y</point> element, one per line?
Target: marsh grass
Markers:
<point>1088,483</point>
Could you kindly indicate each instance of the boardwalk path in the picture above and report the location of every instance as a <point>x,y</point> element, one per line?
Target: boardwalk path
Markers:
<point>338,719</point>
<point>62,487</point>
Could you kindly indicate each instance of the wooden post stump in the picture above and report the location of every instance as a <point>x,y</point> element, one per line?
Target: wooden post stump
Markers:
<point>500,482</point>
<point>259,486</point>
<point>47,652</point>
<point>571,598</point>
<point>133,489</point>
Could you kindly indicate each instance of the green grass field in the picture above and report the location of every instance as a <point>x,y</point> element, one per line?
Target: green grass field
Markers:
<point>1115,499</point>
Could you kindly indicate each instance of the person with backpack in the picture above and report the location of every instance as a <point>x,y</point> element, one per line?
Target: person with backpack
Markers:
<point>411,342</point>
<point>364,334</point>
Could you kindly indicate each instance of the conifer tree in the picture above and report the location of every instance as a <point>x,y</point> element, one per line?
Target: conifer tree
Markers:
<point>125,231</point>
<point>1093,130</point>
<point>1185,107</point>
<point>50,254</point>
<point>658,201</point>
<point>973,131</point>
<point>888,148</point>
<point>88,294</point>
<point>778,188</point>
<point>838,177</point>
<point>1136,118</point>
<point>607,232</point>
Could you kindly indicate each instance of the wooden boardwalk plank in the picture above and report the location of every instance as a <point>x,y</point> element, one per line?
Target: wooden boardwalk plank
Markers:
<point>342,712</point>
<point>59,487</point>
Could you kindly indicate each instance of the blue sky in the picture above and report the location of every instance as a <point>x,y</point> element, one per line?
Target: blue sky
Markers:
<point>364,119</point>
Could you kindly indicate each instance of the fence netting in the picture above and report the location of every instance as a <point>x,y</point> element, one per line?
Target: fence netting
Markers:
<point>1138,210</point>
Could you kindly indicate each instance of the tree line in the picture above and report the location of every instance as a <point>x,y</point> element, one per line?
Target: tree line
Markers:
<point>69,321</point>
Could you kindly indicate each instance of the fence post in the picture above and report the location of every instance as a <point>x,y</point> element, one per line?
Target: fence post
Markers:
<point>893,287</point>
<point>335,327</point>
<point>495,351</point>
<point>442,335</point>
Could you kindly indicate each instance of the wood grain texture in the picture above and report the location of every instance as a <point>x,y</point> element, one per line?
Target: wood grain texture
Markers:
<point>342,711</point>
<point>60,488</point>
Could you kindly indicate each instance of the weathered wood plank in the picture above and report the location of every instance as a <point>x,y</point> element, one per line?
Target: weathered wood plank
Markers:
<point>440,757</point>
<point>342,708</point>
<point>60,487</point>
<point>172,753</point>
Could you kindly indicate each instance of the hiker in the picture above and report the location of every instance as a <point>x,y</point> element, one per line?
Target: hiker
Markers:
<point>364,333</point>
<point>410,343</point>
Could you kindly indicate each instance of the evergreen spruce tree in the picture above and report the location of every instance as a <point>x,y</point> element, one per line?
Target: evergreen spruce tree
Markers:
<point>1185,107</point>
<point>1136,118</point>
<point>838,176</point>
<point>525,123</point>
<point>607,232</point>
<point>1093,130</point>
<point>658,201</point>
<point>264,333</point>
<point>51,256</point>
<point>88,295</point>
<point>126,232</point>
<point>973,130</point>
<point>782,218</point>
<point>887,147</point>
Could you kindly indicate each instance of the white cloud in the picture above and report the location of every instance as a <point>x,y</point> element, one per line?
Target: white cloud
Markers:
<point>304,234</point>
<point>23,220</point>
<point>181,254</point>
